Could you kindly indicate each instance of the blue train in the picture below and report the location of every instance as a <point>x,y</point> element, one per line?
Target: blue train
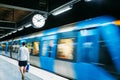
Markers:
<point>85,50</point>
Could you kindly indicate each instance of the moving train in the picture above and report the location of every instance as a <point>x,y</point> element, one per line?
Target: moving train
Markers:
<point>84,50</point>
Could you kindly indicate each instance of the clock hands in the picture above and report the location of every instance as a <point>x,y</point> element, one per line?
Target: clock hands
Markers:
<point>39,20</point>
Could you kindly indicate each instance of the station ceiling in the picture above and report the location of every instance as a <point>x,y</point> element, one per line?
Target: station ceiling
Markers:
<point>15,13</point>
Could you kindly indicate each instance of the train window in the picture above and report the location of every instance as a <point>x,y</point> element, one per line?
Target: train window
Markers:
<point>0,47</point>
<point>33,48</point>
<point>50,48</point>
<point>65,48</point>
<point>34,53</point>
<point>36,48</point>
<point>44,48</point>
<point>14,49</point>
<point>29,46</point>
<point>4,46</point>
<point>9,48</point>
<point>47,48</point>
<point>105,57</point>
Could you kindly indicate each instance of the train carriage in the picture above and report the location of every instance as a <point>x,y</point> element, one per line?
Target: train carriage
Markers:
<point>75,50</point>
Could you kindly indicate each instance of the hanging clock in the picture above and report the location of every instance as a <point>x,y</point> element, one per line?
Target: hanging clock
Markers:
<point>38,21</point>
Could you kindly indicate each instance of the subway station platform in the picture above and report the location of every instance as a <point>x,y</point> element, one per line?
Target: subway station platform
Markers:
<point>9,70</point>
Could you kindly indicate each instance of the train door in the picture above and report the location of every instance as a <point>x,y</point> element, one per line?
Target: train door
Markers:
<point>47,53</point>
<point>89,45</point>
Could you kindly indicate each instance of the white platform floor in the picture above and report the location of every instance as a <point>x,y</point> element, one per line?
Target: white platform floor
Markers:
<point>9,70</point>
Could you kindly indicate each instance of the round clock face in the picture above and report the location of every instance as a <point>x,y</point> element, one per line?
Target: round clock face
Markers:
<point>38,21</point>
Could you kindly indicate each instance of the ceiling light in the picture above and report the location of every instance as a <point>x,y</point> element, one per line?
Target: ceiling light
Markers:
<point>9,33</point>
<point>26,26</point>
<point>88,0</point>
<point>6,35</point>
<point>67,6</point>
<point>20,29</point>
<point>14,31</point>
<point>61,10</point>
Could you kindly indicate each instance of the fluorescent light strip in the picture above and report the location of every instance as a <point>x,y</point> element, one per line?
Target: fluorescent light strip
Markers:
<point>20,29</point>
<point>88,0</point>
<point>14,31</point>
<point>28,25</point>
<point>6,35</point>
<point>9,33</point>
<point>64,9</point>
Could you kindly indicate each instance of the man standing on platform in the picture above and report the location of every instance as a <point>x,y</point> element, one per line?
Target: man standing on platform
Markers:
<point>23,59</point>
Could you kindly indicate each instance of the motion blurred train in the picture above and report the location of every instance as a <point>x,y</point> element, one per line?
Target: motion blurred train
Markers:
<point>84,50</point>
